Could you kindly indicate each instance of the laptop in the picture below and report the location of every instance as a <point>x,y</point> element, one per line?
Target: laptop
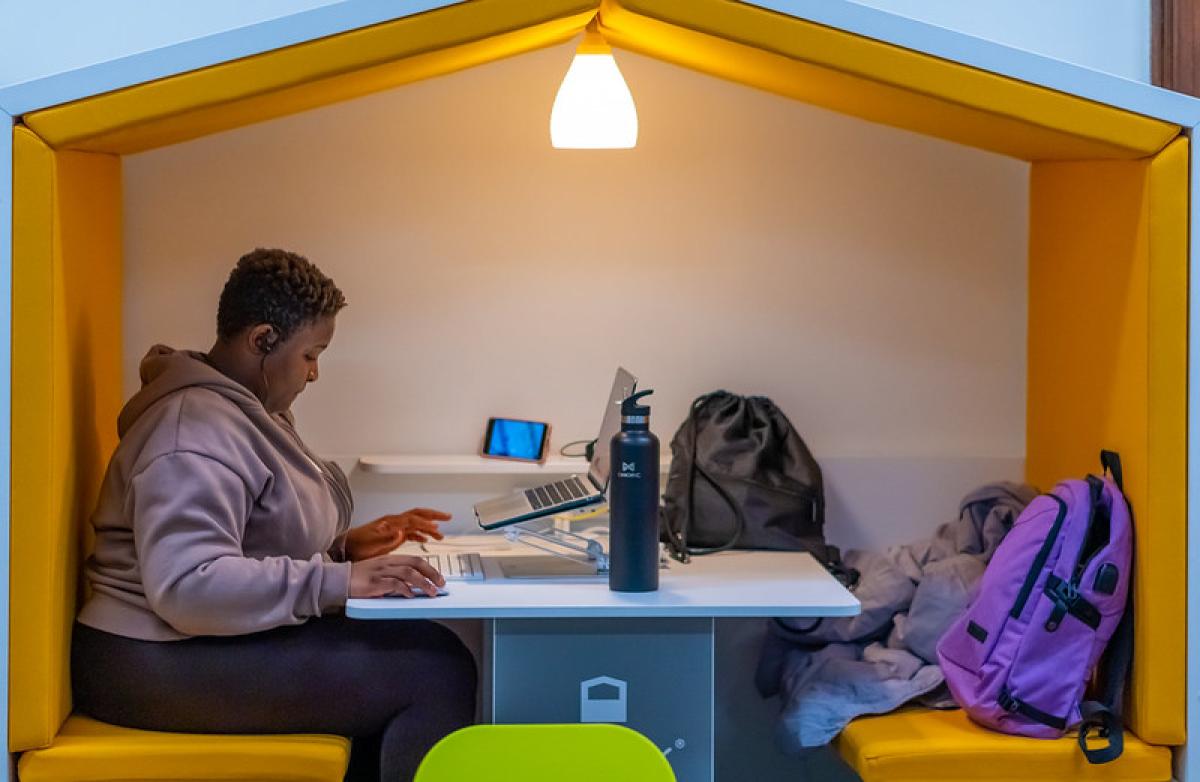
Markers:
<point>573,492</point>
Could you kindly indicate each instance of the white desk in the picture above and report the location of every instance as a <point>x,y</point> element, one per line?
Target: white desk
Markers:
<point>732,583</point>
<point>569,649</point>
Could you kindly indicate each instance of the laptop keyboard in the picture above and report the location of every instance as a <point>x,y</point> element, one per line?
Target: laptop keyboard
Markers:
<point>463,566</point>
<point>556,493</point>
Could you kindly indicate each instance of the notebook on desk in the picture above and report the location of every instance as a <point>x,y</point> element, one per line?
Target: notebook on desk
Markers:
<point>573,492</point>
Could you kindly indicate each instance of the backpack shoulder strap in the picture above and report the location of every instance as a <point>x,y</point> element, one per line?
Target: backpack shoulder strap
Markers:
<point>739,517</point>
<point>1104,715</point>
<point>678,539</point>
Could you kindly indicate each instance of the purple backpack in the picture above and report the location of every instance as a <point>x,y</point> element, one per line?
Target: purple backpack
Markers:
<point>1021,657</point>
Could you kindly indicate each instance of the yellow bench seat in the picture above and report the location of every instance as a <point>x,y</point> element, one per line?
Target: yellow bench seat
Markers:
<point>86,750</point>
<point>922,745</point>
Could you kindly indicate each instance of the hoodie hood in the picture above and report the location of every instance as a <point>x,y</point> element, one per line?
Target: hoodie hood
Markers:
<point>165,370</point>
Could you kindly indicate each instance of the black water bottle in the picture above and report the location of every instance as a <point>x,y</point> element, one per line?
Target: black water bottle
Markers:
<point>633,501</point>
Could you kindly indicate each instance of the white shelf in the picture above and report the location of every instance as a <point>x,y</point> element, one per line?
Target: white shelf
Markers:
<point>466,464</point>
<point>470,464</point>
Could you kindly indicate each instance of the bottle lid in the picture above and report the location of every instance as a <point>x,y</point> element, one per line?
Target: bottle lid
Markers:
<point>631,407</point>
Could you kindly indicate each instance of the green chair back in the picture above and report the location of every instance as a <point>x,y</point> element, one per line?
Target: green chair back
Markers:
<point>545,753</point>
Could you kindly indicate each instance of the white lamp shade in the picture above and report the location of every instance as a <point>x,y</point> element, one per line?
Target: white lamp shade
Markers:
<point>593,108</point>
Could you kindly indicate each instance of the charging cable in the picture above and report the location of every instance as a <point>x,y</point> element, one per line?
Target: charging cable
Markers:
<point>589,447</point>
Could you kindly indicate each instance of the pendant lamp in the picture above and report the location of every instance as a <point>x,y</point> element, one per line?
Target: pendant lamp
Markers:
<point>593,108</point>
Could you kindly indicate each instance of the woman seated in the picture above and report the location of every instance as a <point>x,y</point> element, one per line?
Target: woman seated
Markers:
<point>224,554</point>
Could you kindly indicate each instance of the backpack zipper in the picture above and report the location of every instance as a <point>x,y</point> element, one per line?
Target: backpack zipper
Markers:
<point>1040,560</point>
<point>1095,497</point>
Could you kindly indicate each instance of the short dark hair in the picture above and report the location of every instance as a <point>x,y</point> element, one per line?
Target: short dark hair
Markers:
<point>277,287</point>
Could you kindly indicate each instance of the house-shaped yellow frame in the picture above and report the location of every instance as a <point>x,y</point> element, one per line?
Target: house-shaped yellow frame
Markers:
<point>1108,295</point>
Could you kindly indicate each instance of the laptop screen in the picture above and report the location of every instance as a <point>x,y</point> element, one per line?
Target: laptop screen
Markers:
<point>623,385</point>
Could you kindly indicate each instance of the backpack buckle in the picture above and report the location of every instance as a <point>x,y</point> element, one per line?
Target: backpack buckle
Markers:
<point>1068,600</point>
<point>1065,595</point>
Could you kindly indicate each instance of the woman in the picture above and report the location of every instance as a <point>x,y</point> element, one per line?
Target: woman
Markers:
<point>224,552</point>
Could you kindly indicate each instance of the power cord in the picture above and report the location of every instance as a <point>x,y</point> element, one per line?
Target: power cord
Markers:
<point>589,447</point>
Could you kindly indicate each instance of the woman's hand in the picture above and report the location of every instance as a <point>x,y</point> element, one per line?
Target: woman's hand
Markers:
<point>387,532</point>
<point>394,574</point>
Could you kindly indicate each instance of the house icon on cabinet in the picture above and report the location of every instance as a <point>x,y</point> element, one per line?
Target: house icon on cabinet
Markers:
<point>602,699</point>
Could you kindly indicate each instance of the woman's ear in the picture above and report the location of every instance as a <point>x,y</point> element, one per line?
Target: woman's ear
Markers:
<point>263,338</point>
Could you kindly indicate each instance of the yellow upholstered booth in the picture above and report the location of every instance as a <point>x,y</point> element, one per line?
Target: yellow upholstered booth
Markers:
<point>313,74</point>
<point>879,82</point>
<point>918,745</point>
<point>1107,347</point>
<point>1107,332</point>
<point>66,358</point>
<point>89,750</point>
<point>1107,335</point>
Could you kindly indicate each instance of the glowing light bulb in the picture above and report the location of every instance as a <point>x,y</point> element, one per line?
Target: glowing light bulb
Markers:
<point>594,108</point>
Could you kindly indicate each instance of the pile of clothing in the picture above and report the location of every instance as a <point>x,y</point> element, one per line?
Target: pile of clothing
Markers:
<point>832,670</point>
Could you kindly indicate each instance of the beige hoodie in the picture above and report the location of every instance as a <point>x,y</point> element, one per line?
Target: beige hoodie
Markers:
<point>213,518</point>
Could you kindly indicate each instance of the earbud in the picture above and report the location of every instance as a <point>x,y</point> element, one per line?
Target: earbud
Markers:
<point>266,341</point>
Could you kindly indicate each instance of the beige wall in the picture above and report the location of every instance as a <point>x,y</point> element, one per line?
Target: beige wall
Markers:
<point>869,280</point>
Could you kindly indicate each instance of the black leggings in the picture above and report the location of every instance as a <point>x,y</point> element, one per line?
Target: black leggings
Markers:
<point>394,687</point>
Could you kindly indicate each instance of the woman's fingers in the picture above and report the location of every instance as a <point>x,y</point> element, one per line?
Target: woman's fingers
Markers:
<point>395,586</point>
<point>393,574</point>
<point>429,572</point>
<point>425,526</point>
<point>399,564</point>
<point>422,523</point>
<point>401,574</point>
<point>429,512</point>
<point>398,526</point>
<point>409,585</point>
<point>427,586</point>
